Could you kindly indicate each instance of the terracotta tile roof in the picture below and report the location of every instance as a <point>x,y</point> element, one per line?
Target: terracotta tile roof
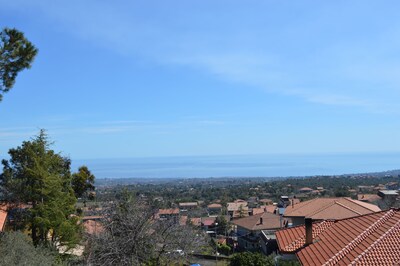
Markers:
<point>214,206</point>
<point>258,210</point>
<point>92,217</point>
<point>93,227</point>
<point>371,239</point>
<point>3,218</point>
<point>183,220</point>
<point>195,221</point>
<point>368,197</point>
<point>239,214</point>
<point>330,208</point>
<point>305,189</point>
<point>188,204</point>
<point>294,238</point>
<point>235,206</point>
<point>207,221</point>
<point>168,211</point>
<point>253,223</point>
<point>270,208</point>
<point>5,207</point>
<point>221,241</point>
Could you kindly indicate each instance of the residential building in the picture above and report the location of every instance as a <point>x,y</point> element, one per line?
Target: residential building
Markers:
<point>249,229</point>
<point>392,186</point>
<point>168,214</point>
<point>305,190</point>
<point>238,209</point>
<point>92,224</point>
<point>214,209</point>
<point>370,239</point>
<point>328,208</point>
<point>208,224</point>
<point>3,217</point>
<point>185,206</point>
<point>388,194</point>
<point>265,202</point>
<point>252,202</point>
<point>371,198</point>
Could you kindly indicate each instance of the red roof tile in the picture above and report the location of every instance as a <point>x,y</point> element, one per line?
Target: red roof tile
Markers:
<point>214,206</point>
<point>252,223</point>
<point>183,220</point>
<point>270,208</point>
<point>195,221</point>
<point>3,218</point>
<point>168,211</point>
<point>292,239</point>
<point>93,227</point>
<point>330,208</point>
<point>368,197</point>
<point>258,210</point>
<point>371,239</point>
<point>188,204</point>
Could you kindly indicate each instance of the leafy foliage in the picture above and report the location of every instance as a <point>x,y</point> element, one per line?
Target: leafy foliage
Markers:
<point>16,249</point>
<point>16,54</point>
<point>82,181</point>
<point>223,225</point>
<point>36,175</point>
<point>253,259</point>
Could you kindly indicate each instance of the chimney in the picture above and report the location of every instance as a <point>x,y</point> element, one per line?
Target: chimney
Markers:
<point>261,220</point>
<point>308,224</point>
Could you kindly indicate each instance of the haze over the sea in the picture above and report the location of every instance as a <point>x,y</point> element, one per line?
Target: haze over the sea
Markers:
<point>281,165</point>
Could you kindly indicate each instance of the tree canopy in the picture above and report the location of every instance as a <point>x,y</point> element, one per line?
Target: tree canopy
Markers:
<point>82,181</point>
<point>248,258</point>
<point>16,249</point>
<point>38,177</point>
<point>16,54</point>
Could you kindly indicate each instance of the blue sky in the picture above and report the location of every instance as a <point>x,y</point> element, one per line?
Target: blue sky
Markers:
<point>117,79</point>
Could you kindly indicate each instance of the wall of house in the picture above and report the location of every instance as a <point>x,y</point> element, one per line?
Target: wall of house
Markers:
<point>297,221</point>
<point>269,247</point>
<point>248,240</point>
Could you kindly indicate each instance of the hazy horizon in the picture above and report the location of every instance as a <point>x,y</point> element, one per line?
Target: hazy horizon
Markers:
<point>267,165</point>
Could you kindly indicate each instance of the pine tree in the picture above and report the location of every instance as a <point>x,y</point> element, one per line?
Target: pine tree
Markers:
<point>16,54</point>
<point>37,176</point>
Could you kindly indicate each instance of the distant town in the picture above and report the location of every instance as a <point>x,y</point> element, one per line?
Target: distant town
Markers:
<point>278,219</point>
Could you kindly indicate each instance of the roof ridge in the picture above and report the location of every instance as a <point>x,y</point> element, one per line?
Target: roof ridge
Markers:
<point>292,246</point>
<point>358,204</point>
<point>395,227</point>
<point>305,203</point>
<point>347,207</point>
<point>362,236</point>
<point>323,208</point>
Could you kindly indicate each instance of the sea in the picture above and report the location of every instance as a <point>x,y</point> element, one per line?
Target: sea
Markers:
<point>270,165</point>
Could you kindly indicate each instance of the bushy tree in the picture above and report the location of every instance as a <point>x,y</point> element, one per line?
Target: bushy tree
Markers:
<point>223,225</point>
<point>249,258</point>
<point>35,175</point>
<point>82,181</point>
<point>16,54</point>
<point>16,249</point>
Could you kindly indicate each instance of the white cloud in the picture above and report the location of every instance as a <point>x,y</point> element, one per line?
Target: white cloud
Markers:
<point>345,73</point>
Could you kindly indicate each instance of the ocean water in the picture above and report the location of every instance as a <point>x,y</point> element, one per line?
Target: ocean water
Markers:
<point>242,165</point>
